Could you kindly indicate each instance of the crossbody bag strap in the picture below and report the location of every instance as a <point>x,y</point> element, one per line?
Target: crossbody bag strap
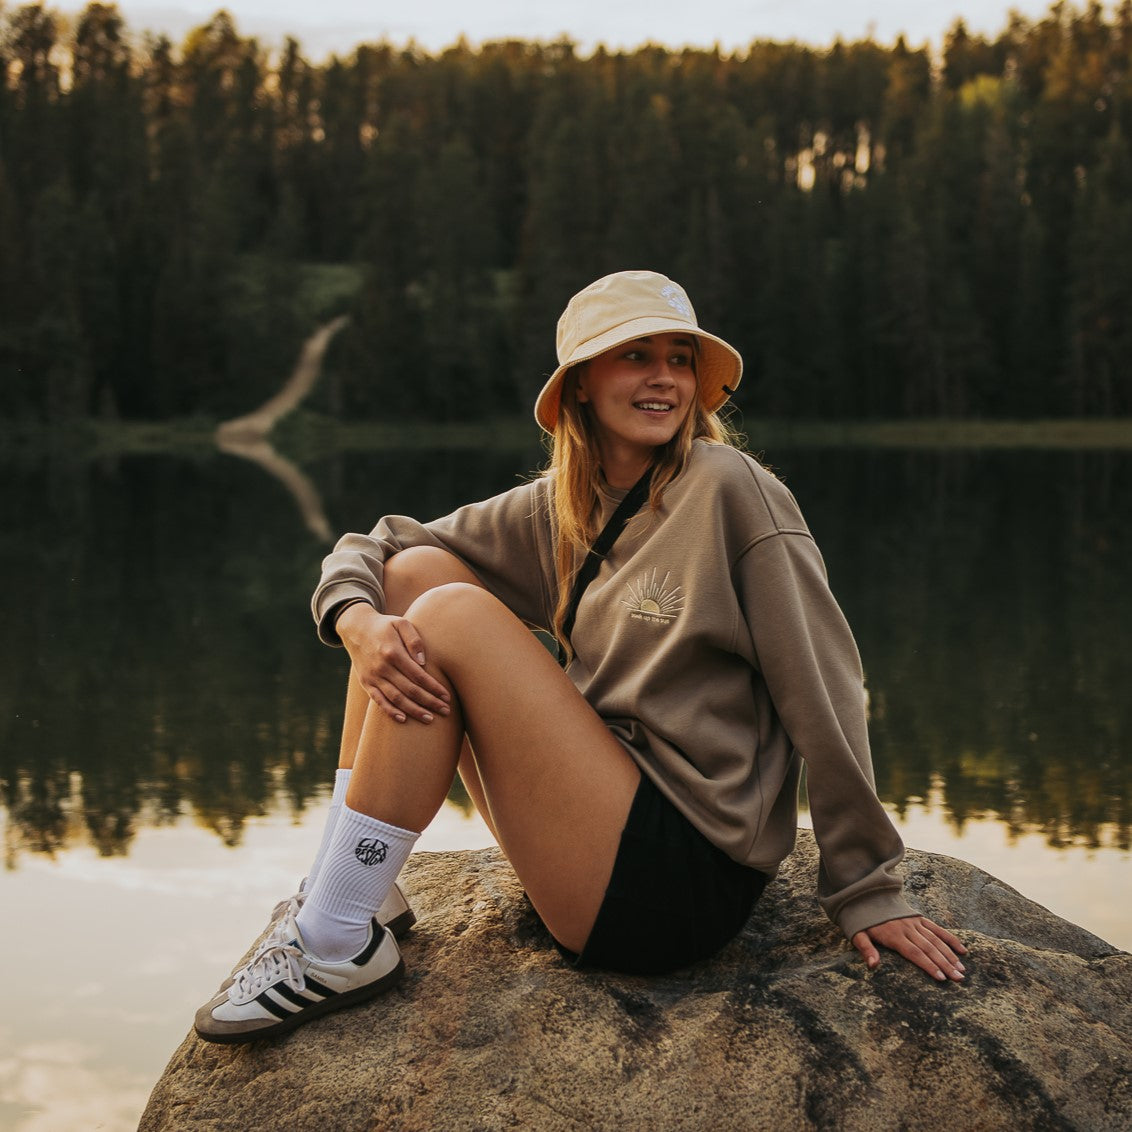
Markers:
<point>626,509</point>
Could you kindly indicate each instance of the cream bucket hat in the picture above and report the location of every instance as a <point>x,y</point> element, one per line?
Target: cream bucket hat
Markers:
<point>634,304</point>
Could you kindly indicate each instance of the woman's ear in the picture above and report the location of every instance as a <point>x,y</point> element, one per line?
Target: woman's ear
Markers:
<point>580,394</point>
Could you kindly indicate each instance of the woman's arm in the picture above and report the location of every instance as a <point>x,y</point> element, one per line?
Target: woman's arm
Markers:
<point>809,660</point>
<point>504,541</point>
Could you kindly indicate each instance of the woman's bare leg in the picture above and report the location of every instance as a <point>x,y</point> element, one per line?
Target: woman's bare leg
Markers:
<point>470,776</point>
<point>554,782</point>
<point>419,569</point>
<point>355,717</point>
<point>357,702</point>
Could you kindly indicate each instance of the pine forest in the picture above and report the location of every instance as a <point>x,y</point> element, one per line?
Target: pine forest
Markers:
<point>885,231</point>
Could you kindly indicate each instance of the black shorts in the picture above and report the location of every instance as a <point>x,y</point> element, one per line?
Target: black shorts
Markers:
<point>673,898</point>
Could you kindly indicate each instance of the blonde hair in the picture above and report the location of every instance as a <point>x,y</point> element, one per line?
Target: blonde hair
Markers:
<point>575,467</point>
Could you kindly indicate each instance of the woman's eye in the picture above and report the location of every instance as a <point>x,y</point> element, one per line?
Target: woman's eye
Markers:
<point>680,360</point>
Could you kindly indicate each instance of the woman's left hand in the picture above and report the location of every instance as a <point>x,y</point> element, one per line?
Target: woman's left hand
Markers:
<point>933,949</point>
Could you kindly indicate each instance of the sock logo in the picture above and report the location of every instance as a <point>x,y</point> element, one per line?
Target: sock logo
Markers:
<point>371,851</point>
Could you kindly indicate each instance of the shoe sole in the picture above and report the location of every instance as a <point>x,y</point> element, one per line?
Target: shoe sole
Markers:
<point>309,1013</point>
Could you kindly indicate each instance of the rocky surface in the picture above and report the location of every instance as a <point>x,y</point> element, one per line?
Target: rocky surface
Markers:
<point>784,1030</point>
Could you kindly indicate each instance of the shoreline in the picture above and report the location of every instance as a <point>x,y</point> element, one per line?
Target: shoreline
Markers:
<point>314,435</point>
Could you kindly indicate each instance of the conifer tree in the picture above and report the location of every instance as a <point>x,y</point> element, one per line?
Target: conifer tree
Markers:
<point>1100,318</point>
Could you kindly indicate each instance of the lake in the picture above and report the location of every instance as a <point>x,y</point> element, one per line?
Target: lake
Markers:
<point>170,722</point>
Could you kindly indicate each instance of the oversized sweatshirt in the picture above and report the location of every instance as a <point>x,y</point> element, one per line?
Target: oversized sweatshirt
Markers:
<point>712,647</point>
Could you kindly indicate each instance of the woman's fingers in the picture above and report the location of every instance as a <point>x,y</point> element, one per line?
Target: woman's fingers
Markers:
<point>388,655</point>
<point>415,650</point>
<point>401,698</point>
<point>411,639</point>
<point>931,948</point>
<point>952,941</point>
<point>862,941</point>
<point>403,689</point>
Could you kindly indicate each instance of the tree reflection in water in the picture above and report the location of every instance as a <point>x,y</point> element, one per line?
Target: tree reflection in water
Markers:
<point>987,591</point>
<point>161,658</point>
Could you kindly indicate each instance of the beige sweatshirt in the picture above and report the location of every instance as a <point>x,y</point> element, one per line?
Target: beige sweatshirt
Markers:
<point>712,647</point>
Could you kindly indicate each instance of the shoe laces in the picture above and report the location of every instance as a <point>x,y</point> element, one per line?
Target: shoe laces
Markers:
<point>276,958</point>
<point>282,919</point>
<point>288,906</point>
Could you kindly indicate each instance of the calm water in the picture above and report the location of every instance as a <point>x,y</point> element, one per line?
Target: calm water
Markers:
<point>169,722</point>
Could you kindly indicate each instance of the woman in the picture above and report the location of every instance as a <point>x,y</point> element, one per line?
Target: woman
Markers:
<point>646,794</point>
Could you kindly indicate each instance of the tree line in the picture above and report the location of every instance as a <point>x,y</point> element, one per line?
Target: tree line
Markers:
<point>883,230</point>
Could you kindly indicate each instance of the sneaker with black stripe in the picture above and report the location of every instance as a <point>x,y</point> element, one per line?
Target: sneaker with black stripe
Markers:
<point>284,986</point>
<point>395,913</point>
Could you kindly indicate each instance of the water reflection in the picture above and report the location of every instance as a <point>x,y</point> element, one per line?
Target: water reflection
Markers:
<point>161,658</point>
<point>303,493</point>
<point>988,592</point>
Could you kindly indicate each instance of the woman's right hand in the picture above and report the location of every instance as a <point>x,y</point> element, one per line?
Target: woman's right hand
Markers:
<point>389,662</point>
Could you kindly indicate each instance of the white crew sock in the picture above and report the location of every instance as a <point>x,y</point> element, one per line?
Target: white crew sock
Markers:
<point>362,862</point>
<point>337,801</point>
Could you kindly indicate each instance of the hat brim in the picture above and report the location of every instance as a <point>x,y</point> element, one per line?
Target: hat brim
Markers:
<point>719,368</point>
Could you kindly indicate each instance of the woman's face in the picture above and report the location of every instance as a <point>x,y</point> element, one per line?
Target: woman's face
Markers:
<point>639,393</point>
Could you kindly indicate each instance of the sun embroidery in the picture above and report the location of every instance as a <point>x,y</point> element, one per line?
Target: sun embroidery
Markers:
<point>652,600</point>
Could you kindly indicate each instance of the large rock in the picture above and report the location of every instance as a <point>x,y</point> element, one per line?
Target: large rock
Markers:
<point>784,1030</point>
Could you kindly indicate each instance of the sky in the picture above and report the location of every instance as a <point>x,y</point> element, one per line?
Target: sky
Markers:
<point>339,25</point>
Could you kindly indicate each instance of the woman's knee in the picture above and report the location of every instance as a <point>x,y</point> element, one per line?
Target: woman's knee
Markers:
<point>418,569</point>
<point>452,605</point>
<point>456,617</point>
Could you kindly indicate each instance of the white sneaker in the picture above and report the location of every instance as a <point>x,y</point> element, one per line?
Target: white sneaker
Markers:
<point>395,913</point>
<point>284,985</point>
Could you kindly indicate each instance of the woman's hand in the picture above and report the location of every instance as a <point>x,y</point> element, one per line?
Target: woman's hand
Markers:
<point>389,658</point>
<point>933,949</point>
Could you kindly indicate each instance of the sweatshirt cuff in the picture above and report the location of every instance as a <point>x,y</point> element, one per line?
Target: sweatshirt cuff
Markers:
<point>330,604</point>
<point>871,909</point>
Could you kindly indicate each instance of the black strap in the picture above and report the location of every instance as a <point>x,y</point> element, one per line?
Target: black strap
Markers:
<point>626,509</point>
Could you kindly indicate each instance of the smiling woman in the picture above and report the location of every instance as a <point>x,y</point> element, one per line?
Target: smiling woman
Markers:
<point>640,395</point>
<point>1000,737</point>
<point>678,809</point>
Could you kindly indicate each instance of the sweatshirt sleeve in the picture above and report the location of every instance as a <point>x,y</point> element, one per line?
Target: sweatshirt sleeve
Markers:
<point>504,541</point>
<point>809,660</point>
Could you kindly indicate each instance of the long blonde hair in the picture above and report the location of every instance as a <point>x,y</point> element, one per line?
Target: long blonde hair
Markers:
<point>575,467</point>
